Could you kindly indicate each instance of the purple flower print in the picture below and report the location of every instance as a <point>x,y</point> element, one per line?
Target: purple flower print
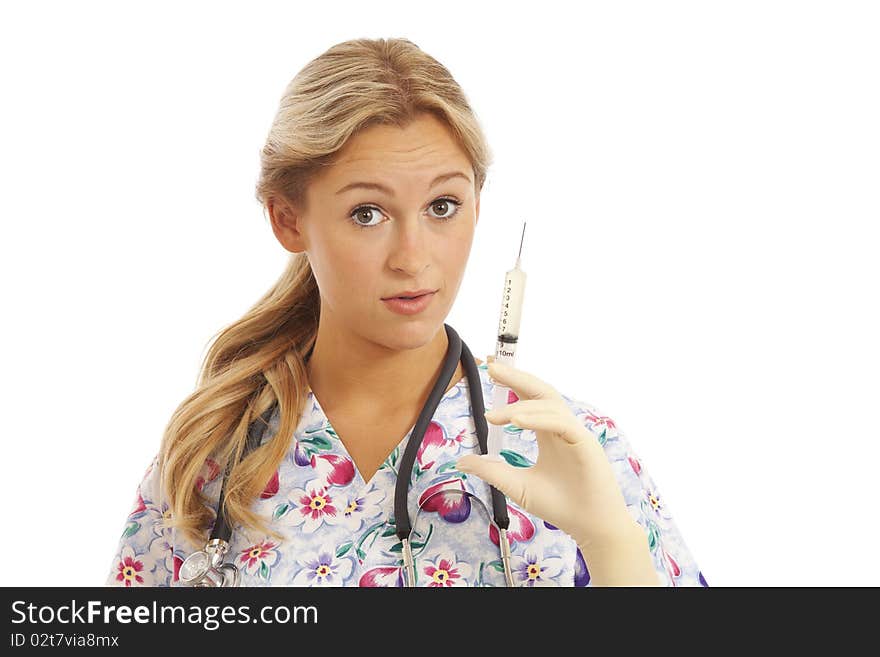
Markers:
<point>581,574</point>
<point>536,570</point>
<point>323,568</point>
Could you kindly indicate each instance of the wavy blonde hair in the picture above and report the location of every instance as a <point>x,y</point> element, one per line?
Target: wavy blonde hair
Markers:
<point>261,358</point>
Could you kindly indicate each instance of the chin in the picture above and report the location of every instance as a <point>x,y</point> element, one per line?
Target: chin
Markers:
<point>411,333</point>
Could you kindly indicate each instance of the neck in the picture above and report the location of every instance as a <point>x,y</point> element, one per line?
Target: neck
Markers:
<point>349,373</point>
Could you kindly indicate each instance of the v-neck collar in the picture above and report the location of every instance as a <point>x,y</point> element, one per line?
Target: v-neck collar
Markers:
<point>358,484</point>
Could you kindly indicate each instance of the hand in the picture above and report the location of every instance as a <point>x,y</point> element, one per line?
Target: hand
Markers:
<point>572,484</point>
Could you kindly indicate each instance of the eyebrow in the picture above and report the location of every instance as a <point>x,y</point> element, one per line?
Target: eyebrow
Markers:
<point>382,188</point>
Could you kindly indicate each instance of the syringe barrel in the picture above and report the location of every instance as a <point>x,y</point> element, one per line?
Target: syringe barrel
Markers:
<point>505,348</point>
<point>511,303</point>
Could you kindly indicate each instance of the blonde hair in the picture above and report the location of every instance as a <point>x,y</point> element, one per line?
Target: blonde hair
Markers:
<point>261,359</point>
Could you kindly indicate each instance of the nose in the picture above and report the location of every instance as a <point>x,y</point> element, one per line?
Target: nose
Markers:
<point>408,252</point>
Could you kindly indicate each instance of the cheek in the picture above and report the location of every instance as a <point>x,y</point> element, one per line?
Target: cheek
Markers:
<point>352,270</point>
<point>458,250</point>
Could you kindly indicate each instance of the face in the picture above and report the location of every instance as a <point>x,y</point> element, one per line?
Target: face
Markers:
<point>366,244</point>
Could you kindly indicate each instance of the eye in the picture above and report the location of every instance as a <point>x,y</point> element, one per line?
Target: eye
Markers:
<point>444,202</point>
<point>365,212</point>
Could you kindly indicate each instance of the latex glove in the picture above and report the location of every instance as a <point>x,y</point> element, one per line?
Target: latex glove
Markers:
<point>572,484</point>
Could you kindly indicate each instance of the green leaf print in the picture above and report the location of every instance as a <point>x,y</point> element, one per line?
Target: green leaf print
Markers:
<point>414,545</point>
<point>449,465</point>
<point>653,536</point>
<point>264,570</point>
<point>131,528</point>
<point>280,510</point>
<point>497,565</point>
<point>342,549</point>
<point>391,461</point>
<point>515,459</point>
<point>371,531</point>
<point>318,442</point>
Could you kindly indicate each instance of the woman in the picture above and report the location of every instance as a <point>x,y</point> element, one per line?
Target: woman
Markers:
<point>371,175</point>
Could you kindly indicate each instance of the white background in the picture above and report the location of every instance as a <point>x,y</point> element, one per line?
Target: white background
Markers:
<point>700,182</point>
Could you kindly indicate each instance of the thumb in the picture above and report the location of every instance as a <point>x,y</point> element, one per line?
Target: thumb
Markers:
<point>497,472</point>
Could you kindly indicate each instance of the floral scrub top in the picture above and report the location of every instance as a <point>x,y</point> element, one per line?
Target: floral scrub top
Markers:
<point>339,529</point>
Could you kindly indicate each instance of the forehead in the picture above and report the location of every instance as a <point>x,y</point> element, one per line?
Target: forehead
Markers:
<point>420,149</point>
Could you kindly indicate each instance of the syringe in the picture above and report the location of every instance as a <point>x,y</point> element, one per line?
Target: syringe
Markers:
<point>508,335</point>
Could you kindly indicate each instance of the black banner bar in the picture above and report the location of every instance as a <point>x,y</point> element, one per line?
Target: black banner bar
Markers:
<point>159,618</point>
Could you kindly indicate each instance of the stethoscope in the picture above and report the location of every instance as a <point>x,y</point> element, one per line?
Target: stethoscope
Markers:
<point>206,567</point>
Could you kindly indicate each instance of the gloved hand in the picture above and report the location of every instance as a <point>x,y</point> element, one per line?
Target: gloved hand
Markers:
<point>572,484</point>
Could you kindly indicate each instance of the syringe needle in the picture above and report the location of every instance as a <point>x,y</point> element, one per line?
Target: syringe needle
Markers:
<point>521,243</point>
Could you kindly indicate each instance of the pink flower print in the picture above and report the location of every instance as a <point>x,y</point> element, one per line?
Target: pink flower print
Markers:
<point>448,499</point>
<point>133,524</point>
<point>521,528</point>
<point>635,465</point>
<point>382,576</point>
<point>139,508</point>
<point>671,566</point>
<point>310,508</point>
<point>259,558</point>
<point>335,470</point>
<point>178,562</point>
<point>445,572</point>
<point>132,568</point>
<point>434,444</point>
<point>535,569</point>
<point>600,421</point>
<point>323,568</point>
<point>209,472</point>
<point>271,488</point>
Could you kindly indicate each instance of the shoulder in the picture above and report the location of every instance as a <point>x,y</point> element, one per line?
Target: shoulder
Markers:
<point>618,448</point>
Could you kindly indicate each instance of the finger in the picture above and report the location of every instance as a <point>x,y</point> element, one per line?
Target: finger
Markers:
<point>505,477</point>
<point>505,411</point>
<point>554,422</point>
<point>524,384</point>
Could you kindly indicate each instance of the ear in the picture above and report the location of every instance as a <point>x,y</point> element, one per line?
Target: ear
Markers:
<point>477,210</point>
<point>287,224</point>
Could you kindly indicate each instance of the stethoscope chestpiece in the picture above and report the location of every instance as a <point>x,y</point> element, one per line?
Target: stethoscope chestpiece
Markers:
<point>205,568</point>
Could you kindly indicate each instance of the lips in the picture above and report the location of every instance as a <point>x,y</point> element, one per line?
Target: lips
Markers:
<point>402,306</point>
<point>409,294</point>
